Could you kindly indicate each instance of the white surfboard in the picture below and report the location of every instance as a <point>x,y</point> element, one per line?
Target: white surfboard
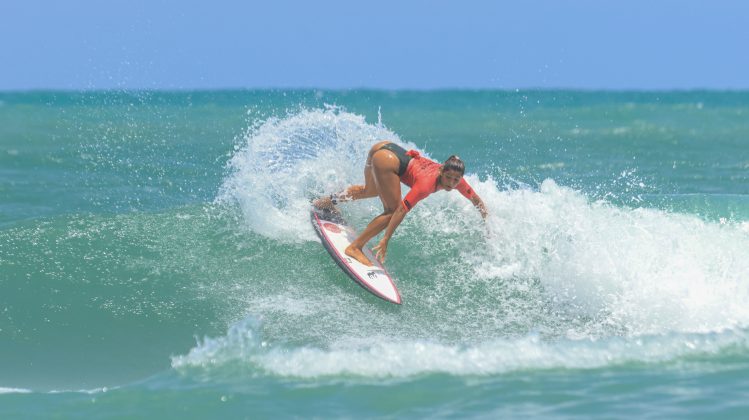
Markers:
<point>336,236</point>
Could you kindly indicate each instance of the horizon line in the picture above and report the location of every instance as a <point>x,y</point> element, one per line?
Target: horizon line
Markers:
<point>372,89</point>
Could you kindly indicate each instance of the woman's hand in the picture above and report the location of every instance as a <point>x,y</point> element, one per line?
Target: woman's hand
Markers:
<point>381,250</point>
<point>476,200</point>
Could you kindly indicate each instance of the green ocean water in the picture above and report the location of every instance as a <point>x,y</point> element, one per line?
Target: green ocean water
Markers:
<point>156,258</point>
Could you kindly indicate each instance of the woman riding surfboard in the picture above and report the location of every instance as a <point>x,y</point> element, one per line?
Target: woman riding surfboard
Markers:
<point>387,166</point>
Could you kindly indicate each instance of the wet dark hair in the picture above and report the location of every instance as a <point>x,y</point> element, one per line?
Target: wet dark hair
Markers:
<point>453,163</point>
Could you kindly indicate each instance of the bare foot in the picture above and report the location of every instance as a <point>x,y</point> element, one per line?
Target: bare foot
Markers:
<point>358,255</point>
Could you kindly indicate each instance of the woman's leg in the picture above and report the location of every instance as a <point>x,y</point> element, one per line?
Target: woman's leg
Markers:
<point>384,172</point>
<point>356,192</point>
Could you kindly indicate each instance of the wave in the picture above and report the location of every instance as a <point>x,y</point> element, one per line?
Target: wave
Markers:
<point>603,269</point>
<point>553,279</point>
<point>381,357</point>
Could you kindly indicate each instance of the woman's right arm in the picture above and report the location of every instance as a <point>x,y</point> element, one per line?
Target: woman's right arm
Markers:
<point>395,220</point>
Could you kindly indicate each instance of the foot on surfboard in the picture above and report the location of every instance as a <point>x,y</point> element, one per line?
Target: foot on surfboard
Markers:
<point>358,255</point>
<point>323,203</point>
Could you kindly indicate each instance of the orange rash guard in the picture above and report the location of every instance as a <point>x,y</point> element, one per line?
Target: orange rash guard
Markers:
<point>421,175</point>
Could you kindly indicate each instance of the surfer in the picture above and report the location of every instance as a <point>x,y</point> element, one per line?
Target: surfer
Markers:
<point>388,164</point>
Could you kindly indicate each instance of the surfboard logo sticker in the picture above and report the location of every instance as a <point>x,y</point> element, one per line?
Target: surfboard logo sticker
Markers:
<point>331,227</point>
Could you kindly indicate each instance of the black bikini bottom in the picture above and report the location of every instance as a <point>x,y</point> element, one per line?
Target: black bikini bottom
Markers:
<point>401,154</point>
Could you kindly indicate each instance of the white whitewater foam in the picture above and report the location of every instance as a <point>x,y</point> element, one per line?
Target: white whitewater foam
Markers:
<point>378,357</point>
<point>648,270</point>
<point>14,390</point>
<point>79,391</point>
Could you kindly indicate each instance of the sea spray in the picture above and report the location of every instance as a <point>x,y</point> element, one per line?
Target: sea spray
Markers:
<point>284,163</point>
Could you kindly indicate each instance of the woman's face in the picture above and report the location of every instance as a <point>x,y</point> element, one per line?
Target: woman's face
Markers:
<point>450,179</point>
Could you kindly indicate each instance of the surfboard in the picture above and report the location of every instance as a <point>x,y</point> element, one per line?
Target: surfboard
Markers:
<point>336,235</point>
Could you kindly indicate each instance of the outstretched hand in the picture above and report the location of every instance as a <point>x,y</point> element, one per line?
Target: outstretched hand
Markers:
<point>489,231</point>
<point>381,250</point>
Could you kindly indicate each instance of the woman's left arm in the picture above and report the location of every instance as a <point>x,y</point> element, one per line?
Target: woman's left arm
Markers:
<point>476,200</point>
<point>471,195</point>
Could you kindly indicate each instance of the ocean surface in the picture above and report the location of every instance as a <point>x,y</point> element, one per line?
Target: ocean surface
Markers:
<point>157,260</point>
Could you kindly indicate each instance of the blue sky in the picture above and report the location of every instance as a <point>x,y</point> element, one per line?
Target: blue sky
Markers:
<point>387,44</point>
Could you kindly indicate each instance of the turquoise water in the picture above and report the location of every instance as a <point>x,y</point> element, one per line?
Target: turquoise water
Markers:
<point>156,258</point>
